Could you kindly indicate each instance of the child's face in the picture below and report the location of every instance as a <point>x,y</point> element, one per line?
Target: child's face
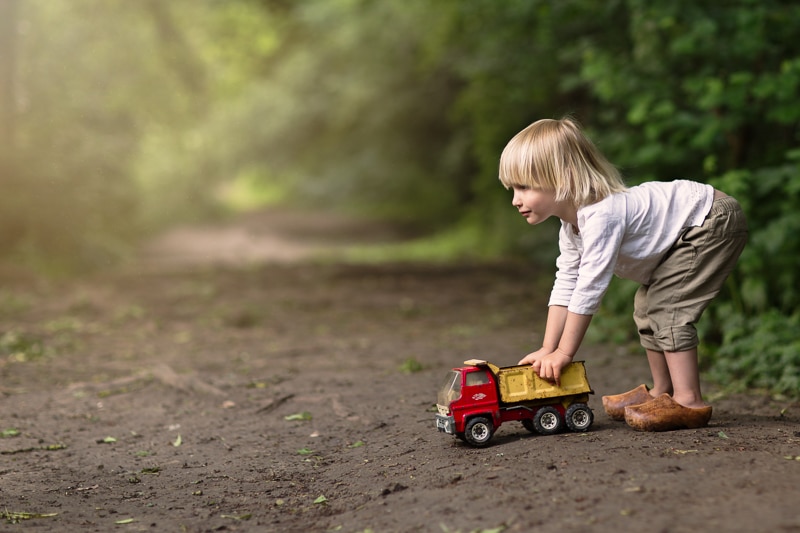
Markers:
<point>536,205</point>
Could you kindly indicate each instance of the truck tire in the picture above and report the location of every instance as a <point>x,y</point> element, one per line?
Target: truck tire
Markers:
<point>547,421</point>
<point>478,431</point>
<point>527,423</point>
<point>579,417</point>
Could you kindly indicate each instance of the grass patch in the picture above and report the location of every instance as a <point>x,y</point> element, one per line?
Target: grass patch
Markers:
<point>458,243</point>
<point>20,347</point>
<point>411,366</point>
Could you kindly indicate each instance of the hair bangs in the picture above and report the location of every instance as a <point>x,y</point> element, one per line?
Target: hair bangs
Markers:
<point>556,155</point>
<point>525,161</point>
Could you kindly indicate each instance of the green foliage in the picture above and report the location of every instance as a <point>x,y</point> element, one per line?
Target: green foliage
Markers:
<point>679,89</point>
<point>700,90</point>
<point>760,352</point>
<point>771,196</point>
<point>70,199</point>
<point>354,120</point>
<point>613,324</point>
<point>109,95</point>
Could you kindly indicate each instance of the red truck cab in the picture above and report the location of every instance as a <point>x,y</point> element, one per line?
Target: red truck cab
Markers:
<point>467,392</point>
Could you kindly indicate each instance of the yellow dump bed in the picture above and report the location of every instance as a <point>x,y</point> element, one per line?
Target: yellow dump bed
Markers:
<point>521,383</point>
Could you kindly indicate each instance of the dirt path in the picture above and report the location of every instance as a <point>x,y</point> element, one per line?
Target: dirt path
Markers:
<point>274,237</point>
<point>286,396</point>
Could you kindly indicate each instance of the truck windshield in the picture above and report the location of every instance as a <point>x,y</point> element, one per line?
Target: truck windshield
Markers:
<point>450,389</point>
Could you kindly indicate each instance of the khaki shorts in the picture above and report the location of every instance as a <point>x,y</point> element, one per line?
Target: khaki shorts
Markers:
<point>688,278</point>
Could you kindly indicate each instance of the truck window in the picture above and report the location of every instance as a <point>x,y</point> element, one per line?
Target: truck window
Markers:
<point>450,389</point>
<point>477,378</point>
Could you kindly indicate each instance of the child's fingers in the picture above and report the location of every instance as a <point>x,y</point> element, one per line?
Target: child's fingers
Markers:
<point>543,371</point>
<point>549,372</point>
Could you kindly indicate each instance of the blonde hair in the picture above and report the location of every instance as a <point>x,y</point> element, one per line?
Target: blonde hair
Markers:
<point>555,155</point>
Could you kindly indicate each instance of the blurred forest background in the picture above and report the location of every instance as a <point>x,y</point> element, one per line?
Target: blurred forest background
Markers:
<point>119,118</point>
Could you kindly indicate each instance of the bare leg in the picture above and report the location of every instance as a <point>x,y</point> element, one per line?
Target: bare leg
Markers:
<point>685,375</point>
<point>662,380</point>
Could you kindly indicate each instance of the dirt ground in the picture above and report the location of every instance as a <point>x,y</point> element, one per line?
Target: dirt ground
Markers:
<point>238,384</point>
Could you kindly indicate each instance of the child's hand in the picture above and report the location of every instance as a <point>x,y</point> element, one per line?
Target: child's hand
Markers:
<point>533,357</point>
<point>548,364</point>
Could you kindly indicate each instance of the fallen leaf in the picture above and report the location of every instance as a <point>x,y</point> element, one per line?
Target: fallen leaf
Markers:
<point>305,415</point>
<point>239,517</point>
<point>16,518</point>
<point>321,499</point>
<point>177,442</point>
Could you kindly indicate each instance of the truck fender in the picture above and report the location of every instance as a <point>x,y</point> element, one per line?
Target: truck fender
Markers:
<point>494,416</point>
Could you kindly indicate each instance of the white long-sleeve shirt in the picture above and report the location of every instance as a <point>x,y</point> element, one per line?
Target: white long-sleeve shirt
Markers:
<point>626,234</point>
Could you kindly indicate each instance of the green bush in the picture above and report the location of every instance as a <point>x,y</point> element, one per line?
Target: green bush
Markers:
<point>761,352</point>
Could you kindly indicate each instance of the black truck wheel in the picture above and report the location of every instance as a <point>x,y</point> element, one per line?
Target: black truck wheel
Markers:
<point>547,421</point>
<point>478,431</point>
<point>579,417</point>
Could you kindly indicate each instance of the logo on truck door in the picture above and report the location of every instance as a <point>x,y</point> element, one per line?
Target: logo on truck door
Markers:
<point>478,397</point>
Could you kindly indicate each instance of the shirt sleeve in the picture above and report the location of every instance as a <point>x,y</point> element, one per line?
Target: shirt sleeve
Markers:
<point>602,236</point>
<point>567,263</point>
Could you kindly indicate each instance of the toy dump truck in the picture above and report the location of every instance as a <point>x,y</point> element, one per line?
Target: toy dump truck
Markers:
<point>477,398</point>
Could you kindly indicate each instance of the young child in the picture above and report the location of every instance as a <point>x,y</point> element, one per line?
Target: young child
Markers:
<point>678,239</point>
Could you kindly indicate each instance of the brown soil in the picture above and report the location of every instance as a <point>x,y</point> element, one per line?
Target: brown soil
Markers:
<point>162,399</point>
